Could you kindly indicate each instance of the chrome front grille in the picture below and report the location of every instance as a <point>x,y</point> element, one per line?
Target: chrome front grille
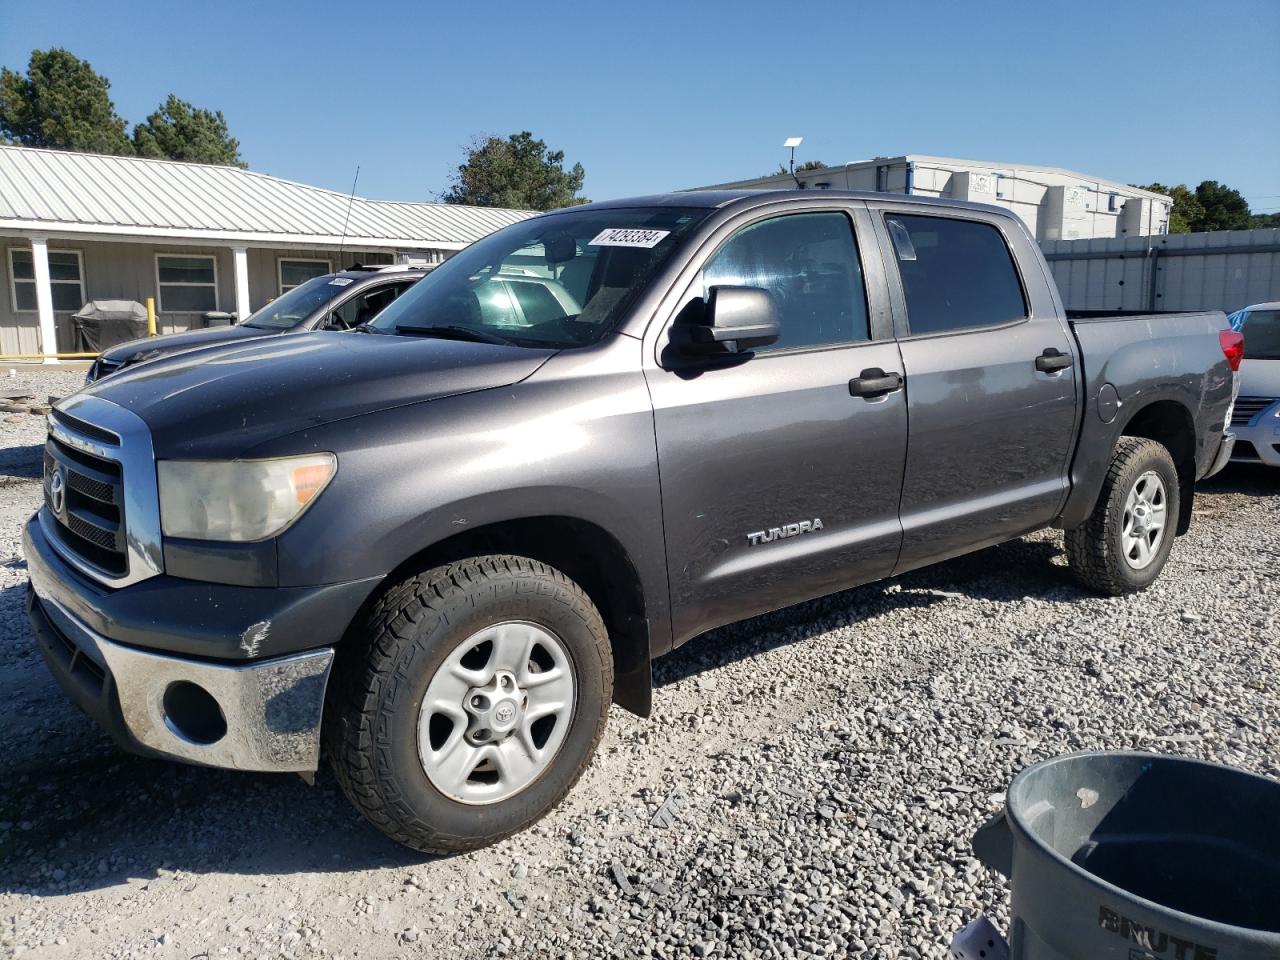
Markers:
<point>85,494</point>
<point>102,525</point>
<point>1247,408</point>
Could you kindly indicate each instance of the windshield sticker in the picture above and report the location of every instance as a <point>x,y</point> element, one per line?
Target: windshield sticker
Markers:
<point>340,281</point>
<point>626,237</point>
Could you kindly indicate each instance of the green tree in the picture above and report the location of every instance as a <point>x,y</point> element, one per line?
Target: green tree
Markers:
<point>1259,220</point>
<point>60,103</point>
<point>1224,208</point>
<point>518,172</point>
<point>800,167</point>
<point>179,131</point>
<point>1211,206</point>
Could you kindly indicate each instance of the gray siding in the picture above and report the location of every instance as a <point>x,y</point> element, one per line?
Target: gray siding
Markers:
<point>127,271</point>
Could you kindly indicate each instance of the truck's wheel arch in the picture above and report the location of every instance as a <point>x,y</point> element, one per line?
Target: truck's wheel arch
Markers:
<point>591,557</point>
<point>1170,423</point>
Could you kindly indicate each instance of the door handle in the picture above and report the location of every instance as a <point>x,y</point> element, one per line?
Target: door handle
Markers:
<point>874,382</point>
<point>1053,360</point>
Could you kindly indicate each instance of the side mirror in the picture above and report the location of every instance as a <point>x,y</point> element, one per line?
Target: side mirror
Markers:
<point>734,320</point>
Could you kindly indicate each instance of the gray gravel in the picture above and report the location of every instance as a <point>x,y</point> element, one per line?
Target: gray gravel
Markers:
<point>807,785</point>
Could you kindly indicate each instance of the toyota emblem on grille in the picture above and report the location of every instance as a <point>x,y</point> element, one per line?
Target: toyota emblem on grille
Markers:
<point>58,490</point>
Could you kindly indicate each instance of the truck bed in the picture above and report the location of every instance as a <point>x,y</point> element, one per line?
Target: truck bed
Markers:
<point>1170,357</point>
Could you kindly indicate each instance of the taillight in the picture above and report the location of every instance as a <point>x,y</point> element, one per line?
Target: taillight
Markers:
<point>1232,342</point>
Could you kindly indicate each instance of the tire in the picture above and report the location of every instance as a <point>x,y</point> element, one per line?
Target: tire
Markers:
<point>1105,552</point>
<point>431,629</point>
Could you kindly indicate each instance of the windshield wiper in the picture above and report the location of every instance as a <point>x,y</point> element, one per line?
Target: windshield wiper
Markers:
<point>455,332</point>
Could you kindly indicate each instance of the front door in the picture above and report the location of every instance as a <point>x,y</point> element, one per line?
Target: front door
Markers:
<point>991,392</point>
<point>780,482</point>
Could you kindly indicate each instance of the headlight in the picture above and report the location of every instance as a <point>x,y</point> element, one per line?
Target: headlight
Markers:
<point>238,499</point>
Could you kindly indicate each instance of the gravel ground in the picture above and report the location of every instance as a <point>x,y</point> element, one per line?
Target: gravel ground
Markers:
<point>807,786</point>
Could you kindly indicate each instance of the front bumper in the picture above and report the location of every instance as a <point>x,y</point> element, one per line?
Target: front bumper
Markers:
<point>262,713</point>
<point>1259,442</point>
<point>257,716</point>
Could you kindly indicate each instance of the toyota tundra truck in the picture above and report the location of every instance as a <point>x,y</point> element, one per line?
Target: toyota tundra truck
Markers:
<point>438,550</point>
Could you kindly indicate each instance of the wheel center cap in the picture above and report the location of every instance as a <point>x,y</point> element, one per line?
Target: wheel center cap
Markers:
<point>493,710</point>
<point>504,712</point>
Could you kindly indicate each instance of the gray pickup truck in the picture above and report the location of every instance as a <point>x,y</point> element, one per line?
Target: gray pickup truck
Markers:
<point>443,548</point>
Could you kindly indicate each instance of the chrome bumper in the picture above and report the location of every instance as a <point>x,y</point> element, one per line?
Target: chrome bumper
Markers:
<point>1224,454</point>
<point>269,710</point>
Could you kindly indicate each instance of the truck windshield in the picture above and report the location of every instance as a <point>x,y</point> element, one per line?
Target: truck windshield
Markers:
<point>302,301</point>
<point>1261,329</point>
<point>564,280</point>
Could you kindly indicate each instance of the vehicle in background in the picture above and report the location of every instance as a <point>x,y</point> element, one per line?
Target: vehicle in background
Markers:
<point>447,546</point>
<point>1255,419</point>
<point>334,301</point>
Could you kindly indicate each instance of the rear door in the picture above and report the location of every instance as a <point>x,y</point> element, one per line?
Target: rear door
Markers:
<point>990,380</point>
<point>778,483</point>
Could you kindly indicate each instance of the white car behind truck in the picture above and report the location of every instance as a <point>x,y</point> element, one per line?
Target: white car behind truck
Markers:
<point>1255,419</point>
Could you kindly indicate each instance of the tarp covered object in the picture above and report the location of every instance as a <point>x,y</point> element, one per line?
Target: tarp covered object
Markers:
<point>101,324</point>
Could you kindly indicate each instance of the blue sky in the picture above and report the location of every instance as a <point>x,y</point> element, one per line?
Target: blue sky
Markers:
<point>652,96</point>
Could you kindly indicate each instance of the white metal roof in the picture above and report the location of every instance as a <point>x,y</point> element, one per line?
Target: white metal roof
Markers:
<point>926,160</point>
<point>87,193</point>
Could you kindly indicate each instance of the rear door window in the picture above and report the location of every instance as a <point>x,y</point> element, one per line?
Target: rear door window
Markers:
<point>956,274</point>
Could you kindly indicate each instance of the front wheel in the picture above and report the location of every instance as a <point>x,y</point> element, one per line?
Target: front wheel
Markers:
<point>472,702</point>
<point>1123,545</point>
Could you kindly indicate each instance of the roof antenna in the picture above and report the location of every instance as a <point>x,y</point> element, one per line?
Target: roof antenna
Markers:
<point>347,219</point>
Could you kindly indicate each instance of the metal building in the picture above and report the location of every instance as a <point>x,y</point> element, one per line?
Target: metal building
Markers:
<point>1055,204</point>
<point>76,227</point>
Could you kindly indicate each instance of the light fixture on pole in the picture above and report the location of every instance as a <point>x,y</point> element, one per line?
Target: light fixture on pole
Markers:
<point>793,142</point>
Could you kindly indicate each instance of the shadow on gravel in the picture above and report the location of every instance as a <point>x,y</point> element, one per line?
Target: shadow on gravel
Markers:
<point>24,462</point>
<point>1010,571</point>
<point>1251,479</point>
<point>93,817</point>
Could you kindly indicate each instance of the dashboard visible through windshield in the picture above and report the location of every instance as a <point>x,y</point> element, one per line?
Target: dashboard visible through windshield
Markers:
<point>562,281</point>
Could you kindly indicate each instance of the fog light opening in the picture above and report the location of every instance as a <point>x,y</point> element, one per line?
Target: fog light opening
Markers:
<point>191,712</point>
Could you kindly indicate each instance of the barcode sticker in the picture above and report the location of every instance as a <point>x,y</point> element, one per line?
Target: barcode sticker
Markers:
<point>627,237</point>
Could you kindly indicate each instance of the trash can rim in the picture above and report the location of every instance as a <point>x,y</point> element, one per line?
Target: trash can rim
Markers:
<point>1021,831</point>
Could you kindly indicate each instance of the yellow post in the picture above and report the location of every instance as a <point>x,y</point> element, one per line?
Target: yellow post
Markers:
<point>151,316</point>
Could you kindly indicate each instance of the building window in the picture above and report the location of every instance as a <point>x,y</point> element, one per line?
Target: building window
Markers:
<point>293,272</point>
<point>187,284</point>
<point>66,276</point>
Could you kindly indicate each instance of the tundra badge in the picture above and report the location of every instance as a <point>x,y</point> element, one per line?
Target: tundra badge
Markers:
<point>781,533</point>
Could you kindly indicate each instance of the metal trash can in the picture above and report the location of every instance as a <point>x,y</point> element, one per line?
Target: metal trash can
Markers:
<point>1138,856</point>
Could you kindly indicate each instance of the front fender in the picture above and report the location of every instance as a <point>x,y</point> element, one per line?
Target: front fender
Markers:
<point>576,440</point>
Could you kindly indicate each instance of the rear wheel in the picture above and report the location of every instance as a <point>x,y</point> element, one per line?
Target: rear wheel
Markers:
<point>474,702</point>
<point>1125,542</point>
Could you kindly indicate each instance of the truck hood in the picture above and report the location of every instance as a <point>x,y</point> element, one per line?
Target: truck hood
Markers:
<point>173,342</point>
<point>1260,378</point>
<point>219,402</point>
